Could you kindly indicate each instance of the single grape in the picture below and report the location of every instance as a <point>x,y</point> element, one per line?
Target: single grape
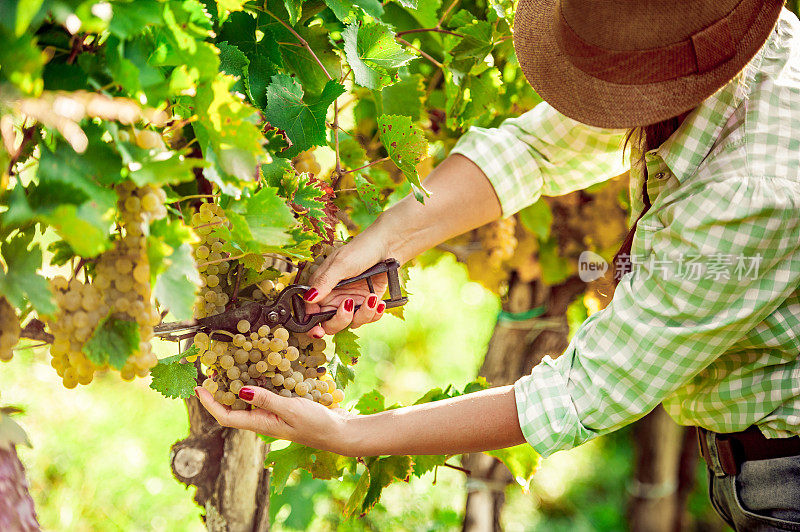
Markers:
<point>210,385</point>
<point>243,326</point>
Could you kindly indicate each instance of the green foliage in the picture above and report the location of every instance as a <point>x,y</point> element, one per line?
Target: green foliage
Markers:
<point>112,342</point>
<point>521,460</point>
<point>173,378</point>
<point>228,92</point>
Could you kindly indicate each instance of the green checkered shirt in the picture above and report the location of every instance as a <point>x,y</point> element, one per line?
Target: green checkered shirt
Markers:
<point>708,321</point>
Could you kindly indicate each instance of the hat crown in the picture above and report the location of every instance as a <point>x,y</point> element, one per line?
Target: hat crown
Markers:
<point>640,24</point>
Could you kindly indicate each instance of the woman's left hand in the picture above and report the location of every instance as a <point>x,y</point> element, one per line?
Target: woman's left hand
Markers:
<point>285,418</point>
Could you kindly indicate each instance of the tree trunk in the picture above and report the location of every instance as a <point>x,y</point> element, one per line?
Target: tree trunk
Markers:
<point>515,347</point>
<point>17,513</point>
<point>658,442</point>
<point>227,466</point>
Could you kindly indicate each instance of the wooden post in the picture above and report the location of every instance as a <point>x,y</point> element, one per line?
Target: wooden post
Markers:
<point>17,512</point>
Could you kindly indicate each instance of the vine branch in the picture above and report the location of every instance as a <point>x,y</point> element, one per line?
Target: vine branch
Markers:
<point>423,30</point>
<point>302,41</point>
<point>373,163</point>
<point>422,53</point>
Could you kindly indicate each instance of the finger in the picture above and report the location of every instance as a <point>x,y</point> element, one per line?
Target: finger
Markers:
<point>223,414</point>
<point>267,400</point>
<point>325,278</point>
<point>367,312</point>
<point>342,318</point>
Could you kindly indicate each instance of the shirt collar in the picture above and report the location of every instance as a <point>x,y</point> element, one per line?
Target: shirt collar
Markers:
<point>691,143</point>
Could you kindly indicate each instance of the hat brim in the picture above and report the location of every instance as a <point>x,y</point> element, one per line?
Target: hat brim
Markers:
<point>597,102</point>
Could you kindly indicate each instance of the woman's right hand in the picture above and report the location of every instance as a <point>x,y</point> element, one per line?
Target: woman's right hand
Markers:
<point>360,254</point>
<point>461,198</point>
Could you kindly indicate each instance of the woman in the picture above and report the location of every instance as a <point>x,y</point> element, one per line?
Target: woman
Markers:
<point>707,321</point>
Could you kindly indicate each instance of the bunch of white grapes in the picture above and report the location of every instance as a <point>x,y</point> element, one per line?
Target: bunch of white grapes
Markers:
<point>292,365</point>
<point>120,285</point>
<point>210,260</point>
<point>9,330</point>
<point>499,240</point>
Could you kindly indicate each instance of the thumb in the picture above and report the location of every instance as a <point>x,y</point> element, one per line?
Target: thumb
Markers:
<point>263,398</point>
<point>340,265</point>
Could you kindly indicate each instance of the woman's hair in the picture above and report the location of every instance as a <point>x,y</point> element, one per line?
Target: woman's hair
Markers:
<point>652,136</point>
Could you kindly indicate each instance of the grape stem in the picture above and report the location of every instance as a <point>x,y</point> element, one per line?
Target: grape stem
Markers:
<point>447,12</point>
<point>235,297</point>
<point>435,30</point>
<point>423,54</point>
<point>223,259</point>
<point>191,196</point>
<point>34,330</point>
<point>384,159</point>
<point>299,38</point>
<point>458,468</point>
<point>27,136</point>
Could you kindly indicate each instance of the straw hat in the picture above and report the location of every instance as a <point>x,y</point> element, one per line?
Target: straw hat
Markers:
<point>626,63</point>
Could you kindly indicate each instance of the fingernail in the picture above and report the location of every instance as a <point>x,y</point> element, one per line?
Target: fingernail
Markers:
<point>317,335</point>
<point>372,300</point>
<point>246,394</point>
<point>310,294</point>
<point>381,307</point>
<point>348,305</point>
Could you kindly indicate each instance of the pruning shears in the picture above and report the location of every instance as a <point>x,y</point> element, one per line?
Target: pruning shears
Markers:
<point>287,310</point>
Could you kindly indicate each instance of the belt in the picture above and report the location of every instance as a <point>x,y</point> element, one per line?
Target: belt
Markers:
<point>736,447</point>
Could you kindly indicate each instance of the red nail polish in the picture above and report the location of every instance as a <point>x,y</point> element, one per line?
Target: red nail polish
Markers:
<point>246,394</point>
<point>381,307</point>
<point>348,305</point>
<point>310,294</point>
<point>372,300</point>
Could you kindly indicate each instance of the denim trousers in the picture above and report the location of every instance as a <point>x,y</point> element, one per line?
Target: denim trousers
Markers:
<point>764,495</point>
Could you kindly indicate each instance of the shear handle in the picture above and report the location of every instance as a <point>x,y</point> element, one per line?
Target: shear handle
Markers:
<point>302,322</point>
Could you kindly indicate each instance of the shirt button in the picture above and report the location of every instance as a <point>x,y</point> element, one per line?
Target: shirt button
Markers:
<point>660,175</point>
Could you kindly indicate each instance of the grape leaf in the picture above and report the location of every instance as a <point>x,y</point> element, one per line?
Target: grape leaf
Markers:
<point>344,10</point>
<point>555,268</point>
<point>373,54</point>
<point>382,472</point>
<point>473,98</point>
<point>371,402</point>
<point>356,498</point>
<point>295,10</point>
<point>130,19</point>
<point>321,464</point>
<point>258,224</point>
<point>307,195</point>
<point>342,373</point>
<point>406,145</point>
<point>259,71</point>
<point>227,133</point>
<point>426,462</point>
<point>176,286</point>
<point>112,342</point>
<point>303,119</point>
<point>537,219</point>
<point>267,216</point>
<point>21,284</point>
<point>521,460</point>
<point>404,97</point>
<point>351,152</point>
<point>232,61</point>
<point>223,6</point>
<point>174,379</point>
<point>368,194</point>
<point>346,345</point>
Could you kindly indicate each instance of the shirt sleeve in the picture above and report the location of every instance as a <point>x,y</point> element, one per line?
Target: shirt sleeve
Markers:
<point>664,325</point>
<point>542,152</point>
